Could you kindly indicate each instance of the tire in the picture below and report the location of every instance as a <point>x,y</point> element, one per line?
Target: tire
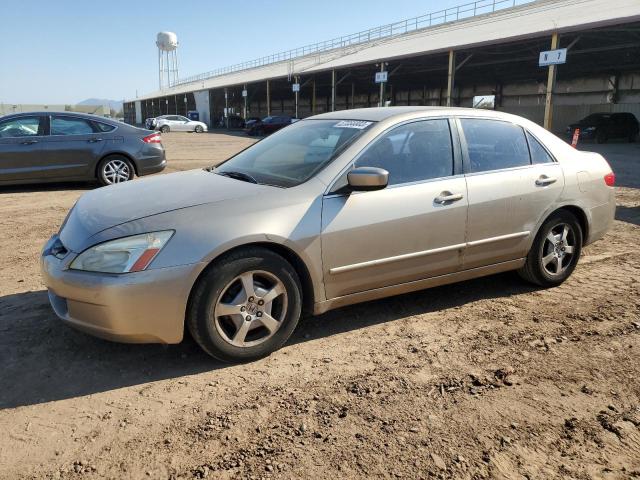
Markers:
<point>536,269</point>
<point>115,169</point>
<point>243,334</point>
<point>199,129</point>
<point>165,129</point>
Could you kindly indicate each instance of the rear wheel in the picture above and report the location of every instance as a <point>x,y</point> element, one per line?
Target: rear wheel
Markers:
<point>246,305</point>
<point>115,169</point>
<point>555,251</point>
<point>165,129</point>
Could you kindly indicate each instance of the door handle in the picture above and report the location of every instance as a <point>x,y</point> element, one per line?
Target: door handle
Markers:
<point>29,142</point>
<point>446,197</point>
<point>94,140</point>
<point>544,181</point>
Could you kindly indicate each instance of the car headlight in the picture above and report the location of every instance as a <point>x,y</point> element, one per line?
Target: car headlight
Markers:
<point>128,254</point>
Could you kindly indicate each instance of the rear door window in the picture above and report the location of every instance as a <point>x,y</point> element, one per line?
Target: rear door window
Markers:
<point>70,126</point>
<point>494,144</point>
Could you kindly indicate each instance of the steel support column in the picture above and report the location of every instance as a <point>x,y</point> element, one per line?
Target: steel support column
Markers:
<point>226,108</point>
<point>333,90</point>
<point>451,77</point>
<point>297,81</point>
<point>245,101</point>
<point>268,99</point>
<point>381,94</point>
<point>313,97</point>
<point>551,84</point>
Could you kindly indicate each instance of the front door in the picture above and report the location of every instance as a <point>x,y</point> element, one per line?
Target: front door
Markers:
<point>21,148</point>
<point>411,230</point>
<point>73,147</point>
<point>512,181</point>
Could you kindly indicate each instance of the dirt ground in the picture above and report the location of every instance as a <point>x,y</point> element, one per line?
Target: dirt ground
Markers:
<point>490,378</point>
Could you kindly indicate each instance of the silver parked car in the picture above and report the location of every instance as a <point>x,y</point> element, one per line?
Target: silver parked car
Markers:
<point>178,123</point>
<point>336,209</point>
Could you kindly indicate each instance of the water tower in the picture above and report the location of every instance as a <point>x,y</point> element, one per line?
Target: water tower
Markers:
<point>167,43</point>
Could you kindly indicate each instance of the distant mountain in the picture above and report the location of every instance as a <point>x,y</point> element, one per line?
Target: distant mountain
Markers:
<point>115,104</point>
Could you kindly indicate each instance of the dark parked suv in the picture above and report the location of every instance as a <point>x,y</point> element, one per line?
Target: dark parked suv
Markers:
<point>603,126</point>
<point>268,125</point>
<point>50,147</point>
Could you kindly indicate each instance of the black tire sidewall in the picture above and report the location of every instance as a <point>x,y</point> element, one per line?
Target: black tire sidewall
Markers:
<point>165,129</point>
<point>101,178</point>
<point>537,250</point>
<point>199,129</point>
<point>213,284</point>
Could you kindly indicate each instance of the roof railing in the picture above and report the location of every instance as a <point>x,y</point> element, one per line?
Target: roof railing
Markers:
<point>433,19</point>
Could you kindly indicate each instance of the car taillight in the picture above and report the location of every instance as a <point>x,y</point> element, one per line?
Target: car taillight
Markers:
<point>610,179</point>
<point>153,138</point>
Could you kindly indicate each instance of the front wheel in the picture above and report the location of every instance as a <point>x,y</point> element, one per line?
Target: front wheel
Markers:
<point>165,129</point>
<point>115,169</point>
<point>199,129</point>
<point>555,251</point>
<point>245,306</point>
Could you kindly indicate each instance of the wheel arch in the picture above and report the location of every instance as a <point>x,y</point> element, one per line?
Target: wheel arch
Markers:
<point>308,295</point>
<point>578,212</point>
<point>116,154</point>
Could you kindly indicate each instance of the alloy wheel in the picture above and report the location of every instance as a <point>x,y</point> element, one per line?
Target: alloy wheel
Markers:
<point>251,308</point>
<point>558,249</point>
<point>116,171</point>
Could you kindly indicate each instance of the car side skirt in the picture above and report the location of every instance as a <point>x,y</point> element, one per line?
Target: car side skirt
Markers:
<point>414,286</point>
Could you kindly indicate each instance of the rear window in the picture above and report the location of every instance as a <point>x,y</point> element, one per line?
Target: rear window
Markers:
<point>494,144</point>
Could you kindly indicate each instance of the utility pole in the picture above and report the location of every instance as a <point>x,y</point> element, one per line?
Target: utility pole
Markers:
<point>551,84</point>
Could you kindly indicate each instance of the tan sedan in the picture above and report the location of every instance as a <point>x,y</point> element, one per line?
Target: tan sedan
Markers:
<point>336,209</point>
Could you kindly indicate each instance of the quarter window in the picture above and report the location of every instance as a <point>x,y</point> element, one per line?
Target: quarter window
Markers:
<point>538,152</point>
<point>70,126</point>
<point>494,145</point>
<point>20,127</point>
<point>413,152</point>
<point>104,127</point>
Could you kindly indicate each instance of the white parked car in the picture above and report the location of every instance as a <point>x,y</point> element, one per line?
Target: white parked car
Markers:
<point>178,123</point>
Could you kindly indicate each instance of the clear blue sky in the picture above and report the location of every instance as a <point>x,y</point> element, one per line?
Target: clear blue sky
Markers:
<point>66,51</point>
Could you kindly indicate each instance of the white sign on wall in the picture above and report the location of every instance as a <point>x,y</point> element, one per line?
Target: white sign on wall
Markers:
<point>553,57</point>
<point>244,93</point>
<point>381,77</point>
<point>295,87</point>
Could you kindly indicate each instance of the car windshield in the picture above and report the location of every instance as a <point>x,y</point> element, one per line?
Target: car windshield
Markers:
<point>294,154</point>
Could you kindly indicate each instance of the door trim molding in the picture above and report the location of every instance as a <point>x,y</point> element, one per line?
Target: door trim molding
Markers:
<point>424,253</point>
<point>396,258</point>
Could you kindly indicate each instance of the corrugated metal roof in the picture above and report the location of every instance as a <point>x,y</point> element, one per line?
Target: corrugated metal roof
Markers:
<point>526,21</point>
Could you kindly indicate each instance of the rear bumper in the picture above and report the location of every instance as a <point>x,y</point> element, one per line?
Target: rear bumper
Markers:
<point>152,159</point>
<point>602,218</point>
<point>141,307</point>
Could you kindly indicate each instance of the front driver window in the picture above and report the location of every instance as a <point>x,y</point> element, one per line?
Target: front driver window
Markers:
<point>413,152</point>
<point>20,127</point>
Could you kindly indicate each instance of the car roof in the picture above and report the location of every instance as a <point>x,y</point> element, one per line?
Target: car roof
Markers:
<point>87,116</point>
<point>383,113</point>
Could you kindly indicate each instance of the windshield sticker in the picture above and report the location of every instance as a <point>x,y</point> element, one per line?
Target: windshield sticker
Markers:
<point>358,124</point>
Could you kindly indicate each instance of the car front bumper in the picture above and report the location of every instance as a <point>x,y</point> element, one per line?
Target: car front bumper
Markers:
<point>140,307</point>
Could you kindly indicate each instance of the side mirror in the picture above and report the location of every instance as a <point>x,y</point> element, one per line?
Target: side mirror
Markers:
<point>367,179</point>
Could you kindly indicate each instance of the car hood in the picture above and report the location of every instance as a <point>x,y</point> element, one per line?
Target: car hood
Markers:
<point>110,206</point>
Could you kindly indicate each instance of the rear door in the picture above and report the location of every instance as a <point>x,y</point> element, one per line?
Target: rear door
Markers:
<point>509,189</point>
<point>73,147</point>
<point>21,140</point>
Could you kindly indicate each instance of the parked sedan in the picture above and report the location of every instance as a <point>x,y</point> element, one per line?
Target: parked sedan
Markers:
<point>178,123</point>
<point>52,147</point>
<point>603,126</point>
<point>268,125</point>
<point>336,209</point>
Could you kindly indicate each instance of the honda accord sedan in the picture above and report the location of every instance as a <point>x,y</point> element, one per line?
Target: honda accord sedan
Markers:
<point>54,147</point>
<point>339,208</point>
